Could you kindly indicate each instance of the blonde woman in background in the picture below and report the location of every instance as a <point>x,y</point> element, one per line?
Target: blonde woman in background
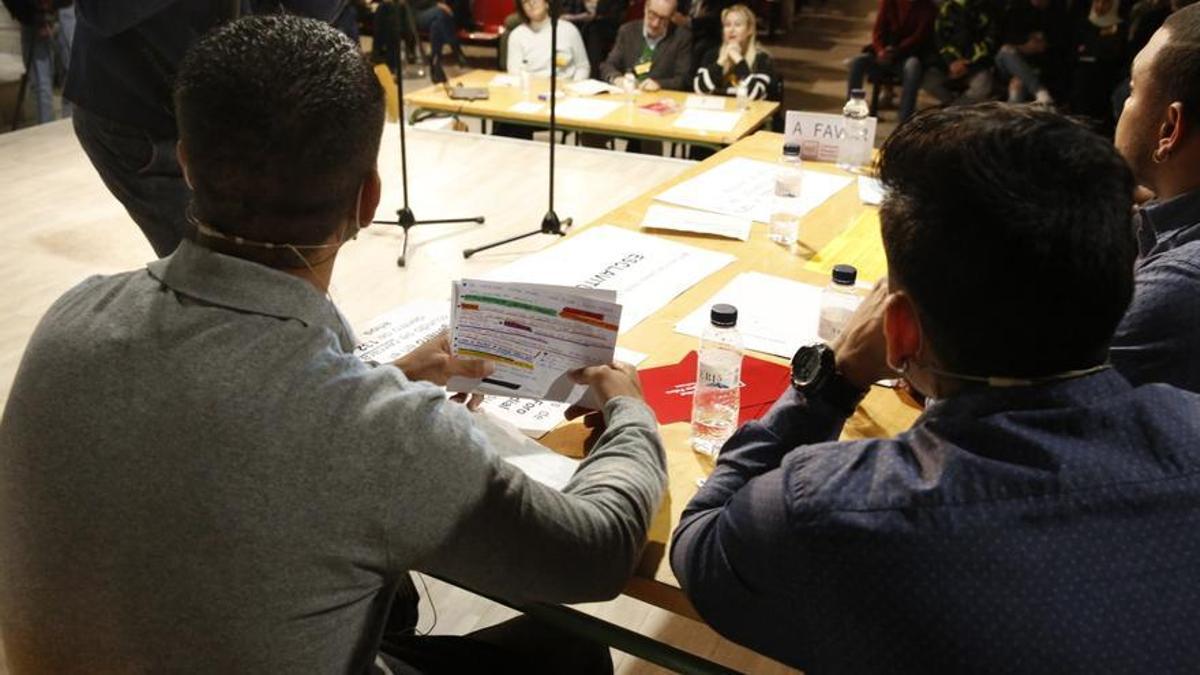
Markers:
<point>739,59</point>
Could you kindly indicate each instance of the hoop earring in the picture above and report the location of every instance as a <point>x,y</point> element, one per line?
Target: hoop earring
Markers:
<point>902,369</point>
<point>1160,155</point>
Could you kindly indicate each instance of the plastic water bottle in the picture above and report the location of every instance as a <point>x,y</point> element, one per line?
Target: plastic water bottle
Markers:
<point>717,399</point>
<point>743,95</point>
<point>838,302</point>
<point>853,152</point>
<point>785,207</point>
<point>629,87</point>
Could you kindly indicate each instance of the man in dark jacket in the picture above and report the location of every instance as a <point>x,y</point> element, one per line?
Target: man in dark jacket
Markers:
<point>127,54</point>
<point>658,53</point>
<point>47,28</point>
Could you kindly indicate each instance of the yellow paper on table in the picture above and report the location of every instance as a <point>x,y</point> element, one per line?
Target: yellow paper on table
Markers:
<point>860,245</point>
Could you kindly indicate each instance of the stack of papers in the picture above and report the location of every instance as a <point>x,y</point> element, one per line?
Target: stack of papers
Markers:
<point>662,217</point>
<point>591,88</point>
<point>401,330</point>
<point>745,188</point>
<point>646,271</point>
<point>775,315</point>
<point>534,335</point>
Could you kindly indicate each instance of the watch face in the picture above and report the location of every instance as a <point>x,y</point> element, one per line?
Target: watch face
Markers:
<point>806,365</point>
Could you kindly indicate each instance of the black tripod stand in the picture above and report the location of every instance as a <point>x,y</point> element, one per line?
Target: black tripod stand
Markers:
<point>404,216</point>
<point>550,222</point>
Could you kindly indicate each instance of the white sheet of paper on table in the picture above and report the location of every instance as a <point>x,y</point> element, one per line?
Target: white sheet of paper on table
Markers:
<point>775,315</point>
<point>870,191</point>
<point>591,88</point>
<point>534,335</point>
<point>584,108</point>
<point>745,188</point>
<point>526,107</point>
<point>663,217</point>
<point>708,120</point>
<point>646,271</point>
<point>505,80</point>
<point>705,102</point>
<point>532,458</point>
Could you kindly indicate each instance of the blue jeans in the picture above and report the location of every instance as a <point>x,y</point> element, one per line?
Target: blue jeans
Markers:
<point>909,74</point>
<point>44,53</point>
<point>973,88</point>
<point>441,29</point>
<point>1010,63</point>
<point>142,173</point>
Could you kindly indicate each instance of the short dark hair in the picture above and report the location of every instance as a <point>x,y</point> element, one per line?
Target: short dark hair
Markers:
<point>1177,66</point>
<point>1010,227</point>
<point>551,9</point>
<point>281,118</point>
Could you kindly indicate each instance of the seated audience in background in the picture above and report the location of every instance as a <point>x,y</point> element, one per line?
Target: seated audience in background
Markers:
<point>1099,48</point>
<point>965,33</point>
<point>1042,514</point>
<point>1159,135</point>
<point>529,45</point>
<point>529,52</point>
<point>899,42</point>
<point>738,61</point>
<point>654,50</point>
<point>47,28</point>
<point>440,20</point>
<point>1034,33</point>
<point>705,20</point>
<point>597,21</point>
<point>199,474</point>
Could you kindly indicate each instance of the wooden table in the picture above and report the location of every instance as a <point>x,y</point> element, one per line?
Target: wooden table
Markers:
<point>881,413</point>
<point>628,121</point>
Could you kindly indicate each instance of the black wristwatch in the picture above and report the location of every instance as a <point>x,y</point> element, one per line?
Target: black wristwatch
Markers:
<point>814,374</point>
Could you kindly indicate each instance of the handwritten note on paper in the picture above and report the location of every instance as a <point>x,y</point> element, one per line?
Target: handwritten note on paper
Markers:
<point>646,271</point>
<point>585,108</point>
<point>860,245</point>
<point>745,188</point>
<point>763,326</point>
<point>708,120</point>
<point>663,217</point>
<point>591,88</point>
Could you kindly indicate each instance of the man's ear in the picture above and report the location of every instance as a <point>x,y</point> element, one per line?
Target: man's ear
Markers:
<point>181,155</point>
<point>368,201</point>
<point>901,330</point>
<point>1173,130</point>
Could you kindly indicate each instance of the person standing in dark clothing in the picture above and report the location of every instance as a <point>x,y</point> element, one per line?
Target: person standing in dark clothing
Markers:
<point>120,79</point>
<point>47,28</point>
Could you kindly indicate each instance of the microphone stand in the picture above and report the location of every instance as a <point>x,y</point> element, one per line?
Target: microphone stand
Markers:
<point>405,219</point>
<point>550,222</point>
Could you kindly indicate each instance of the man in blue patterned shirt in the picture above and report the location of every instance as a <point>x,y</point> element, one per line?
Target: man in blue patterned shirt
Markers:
<point>1158,134</point>
<point>1042,515</point>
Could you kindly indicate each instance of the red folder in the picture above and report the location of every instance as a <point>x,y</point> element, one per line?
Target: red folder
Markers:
<point>668,389</point>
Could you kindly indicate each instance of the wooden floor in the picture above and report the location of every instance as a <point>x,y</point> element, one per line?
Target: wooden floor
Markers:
<point>57,249</point>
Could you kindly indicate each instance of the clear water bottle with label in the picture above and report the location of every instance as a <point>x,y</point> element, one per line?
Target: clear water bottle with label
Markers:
<point>743,95</point>
<point>838,302</point>
<point>853,152</point>
<point>785,207</point>
<point>717,399</point>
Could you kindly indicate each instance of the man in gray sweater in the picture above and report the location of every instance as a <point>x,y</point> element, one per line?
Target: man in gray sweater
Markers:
<point>199,476</point>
